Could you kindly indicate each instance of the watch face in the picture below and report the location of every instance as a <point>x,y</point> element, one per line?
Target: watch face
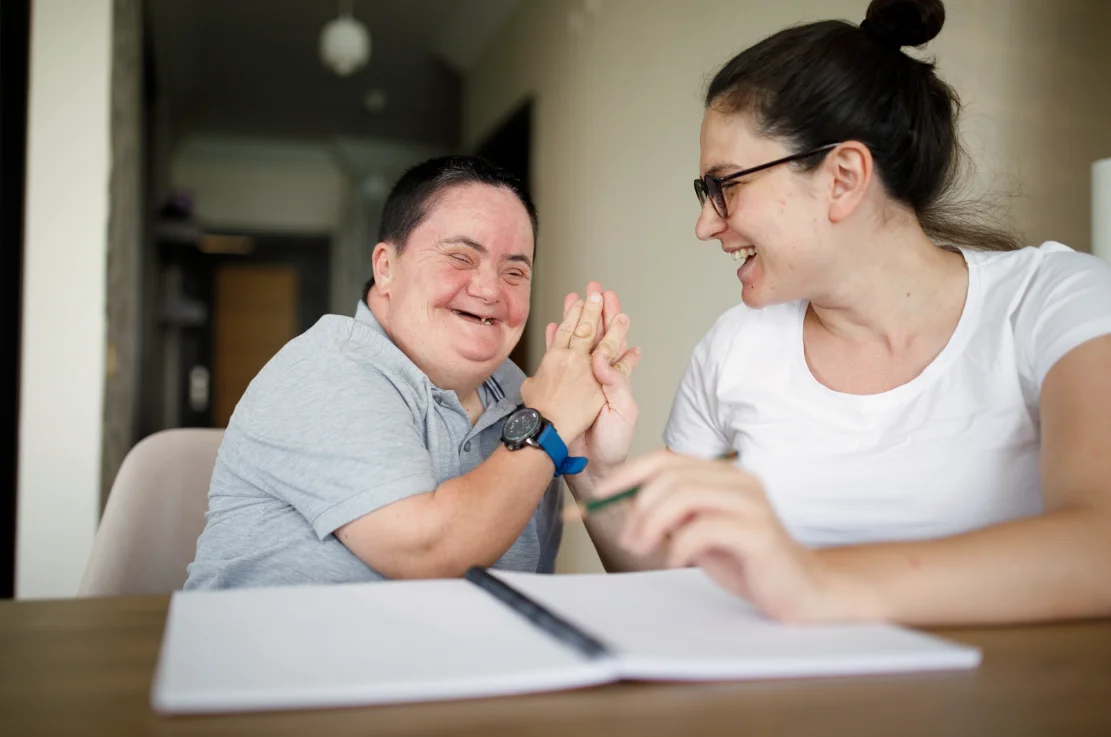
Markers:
<point>520,425</point>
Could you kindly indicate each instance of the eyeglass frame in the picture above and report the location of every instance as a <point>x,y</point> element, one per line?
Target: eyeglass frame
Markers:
<point>702,190</point>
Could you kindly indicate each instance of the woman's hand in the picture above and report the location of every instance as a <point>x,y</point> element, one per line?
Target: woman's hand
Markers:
<point>606,443</point>
<point>716,516</point>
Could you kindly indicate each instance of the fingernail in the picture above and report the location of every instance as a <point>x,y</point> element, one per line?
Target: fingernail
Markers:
<point>623,319</point>
<point>595,297</point>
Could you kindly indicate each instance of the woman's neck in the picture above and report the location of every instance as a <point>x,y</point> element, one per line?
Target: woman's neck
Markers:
<point>892,286</point>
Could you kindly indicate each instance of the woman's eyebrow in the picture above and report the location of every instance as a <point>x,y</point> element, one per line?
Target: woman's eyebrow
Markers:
<point>718,169</point>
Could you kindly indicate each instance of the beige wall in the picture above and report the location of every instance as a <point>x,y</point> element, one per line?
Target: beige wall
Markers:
<point>335,188</point>
<point>66,242</point>
<point>615,148</point>
<point>265,187</point>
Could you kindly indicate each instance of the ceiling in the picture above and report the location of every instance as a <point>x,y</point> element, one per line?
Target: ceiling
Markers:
<point>252,67</point>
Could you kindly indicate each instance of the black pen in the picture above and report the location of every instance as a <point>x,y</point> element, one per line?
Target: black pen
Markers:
<point>539,615</point>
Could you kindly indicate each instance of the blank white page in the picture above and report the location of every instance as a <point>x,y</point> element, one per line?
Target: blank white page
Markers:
<point>678,624</point>
<point>346,645</point>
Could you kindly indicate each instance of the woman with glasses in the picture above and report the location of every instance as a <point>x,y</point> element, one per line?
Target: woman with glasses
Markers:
<point>921,407</point>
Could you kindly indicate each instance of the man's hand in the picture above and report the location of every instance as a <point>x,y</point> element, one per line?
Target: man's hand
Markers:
<point>606,443</point>
<point>564,389</point>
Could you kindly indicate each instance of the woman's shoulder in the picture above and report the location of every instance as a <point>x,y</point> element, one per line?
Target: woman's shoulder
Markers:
<point>1035,263</point>
<point>1034,277</point>
<point>742,318</point>
<point>1053,297</point>
<point>742,325</point>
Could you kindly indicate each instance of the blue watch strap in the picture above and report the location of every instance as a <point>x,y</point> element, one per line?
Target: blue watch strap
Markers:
<point>573,465</point>
<point>553,445</point>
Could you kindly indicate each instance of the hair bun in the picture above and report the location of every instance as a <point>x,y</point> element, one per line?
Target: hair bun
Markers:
<point>904,22</point>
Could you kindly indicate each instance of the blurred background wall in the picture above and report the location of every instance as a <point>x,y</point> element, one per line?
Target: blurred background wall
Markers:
<point>617,88</point>
<point>201,186</point>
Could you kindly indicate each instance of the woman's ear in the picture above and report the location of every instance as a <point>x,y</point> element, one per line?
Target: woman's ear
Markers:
<point>382,262</point>
<point>850,166</point>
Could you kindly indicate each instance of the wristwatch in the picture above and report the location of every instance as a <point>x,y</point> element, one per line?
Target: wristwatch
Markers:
<point>526,426</point>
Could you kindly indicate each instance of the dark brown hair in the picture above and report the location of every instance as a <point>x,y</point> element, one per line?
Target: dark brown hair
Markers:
<point>417,191</point>
<point>831,81</point>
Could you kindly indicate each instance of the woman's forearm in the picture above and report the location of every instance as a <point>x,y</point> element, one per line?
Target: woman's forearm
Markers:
<point>1055,566</point>
<point>605,528</point>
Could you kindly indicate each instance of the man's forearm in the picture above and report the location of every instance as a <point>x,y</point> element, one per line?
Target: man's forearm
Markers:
<point>469,520</point>
<point>487,509</point>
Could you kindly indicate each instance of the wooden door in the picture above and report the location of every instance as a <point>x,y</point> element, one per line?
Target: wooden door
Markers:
<point>255,310</point>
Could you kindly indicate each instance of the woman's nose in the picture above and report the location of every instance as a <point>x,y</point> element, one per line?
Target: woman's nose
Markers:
<point>709,223</point>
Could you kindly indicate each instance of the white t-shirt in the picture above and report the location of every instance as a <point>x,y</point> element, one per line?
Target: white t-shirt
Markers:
<point>954,449</point>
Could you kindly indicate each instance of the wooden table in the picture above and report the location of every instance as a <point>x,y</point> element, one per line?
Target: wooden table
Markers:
<point>84,667</point>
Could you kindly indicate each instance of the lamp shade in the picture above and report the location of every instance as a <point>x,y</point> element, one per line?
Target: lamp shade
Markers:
<point>1101,209</point>
<point>344,45</point>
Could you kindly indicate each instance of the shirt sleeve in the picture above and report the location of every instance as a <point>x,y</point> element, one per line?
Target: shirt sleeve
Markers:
<point>1068,302</point>
<point>695,426</point>
<point>335,439</point>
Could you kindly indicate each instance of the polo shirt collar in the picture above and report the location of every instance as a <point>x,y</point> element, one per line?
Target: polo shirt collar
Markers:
<point>501,405</point>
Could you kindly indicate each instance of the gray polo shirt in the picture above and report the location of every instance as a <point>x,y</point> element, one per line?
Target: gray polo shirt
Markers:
<point>338,424</point>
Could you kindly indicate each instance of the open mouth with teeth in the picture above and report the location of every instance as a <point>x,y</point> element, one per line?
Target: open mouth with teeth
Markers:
<point>743,254</point>
<point>475,318</point>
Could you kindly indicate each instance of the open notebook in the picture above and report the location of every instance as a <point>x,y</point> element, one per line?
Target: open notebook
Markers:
<point>346,645</point>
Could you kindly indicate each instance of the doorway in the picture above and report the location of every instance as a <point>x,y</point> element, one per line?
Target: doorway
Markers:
<point>254,314</point>
<point>239,299</point>
<point>510,147</point>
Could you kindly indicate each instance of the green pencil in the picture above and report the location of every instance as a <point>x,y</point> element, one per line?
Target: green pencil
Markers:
<point>582,509</point>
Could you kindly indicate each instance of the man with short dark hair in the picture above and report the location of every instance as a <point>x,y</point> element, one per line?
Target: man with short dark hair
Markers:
<point>402,443</point>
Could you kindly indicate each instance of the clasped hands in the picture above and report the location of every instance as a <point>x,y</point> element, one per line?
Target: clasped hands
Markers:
<point>583,383</point>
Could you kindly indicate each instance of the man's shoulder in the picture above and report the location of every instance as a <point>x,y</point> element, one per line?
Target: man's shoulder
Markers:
<point>337,368</point>
<point>340,348</point>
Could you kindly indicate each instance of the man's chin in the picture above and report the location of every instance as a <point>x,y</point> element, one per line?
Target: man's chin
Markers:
<point>491,357</point>
<point>492,352</point>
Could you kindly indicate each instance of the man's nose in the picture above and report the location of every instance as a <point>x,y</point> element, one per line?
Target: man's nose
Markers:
<point>484,285</point>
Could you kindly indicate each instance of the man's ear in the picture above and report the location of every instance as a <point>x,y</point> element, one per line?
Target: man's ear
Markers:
<point>851,168</point>
<point>382,261</point>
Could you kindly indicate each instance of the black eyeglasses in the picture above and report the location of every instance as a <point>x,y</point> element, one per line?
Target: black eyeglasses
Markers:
<point>713,188</point>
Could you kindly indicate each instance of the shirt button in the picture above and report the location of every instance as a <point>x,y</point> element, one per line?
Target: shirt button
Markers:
<point>439,399</point>
<point>467,446</point>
